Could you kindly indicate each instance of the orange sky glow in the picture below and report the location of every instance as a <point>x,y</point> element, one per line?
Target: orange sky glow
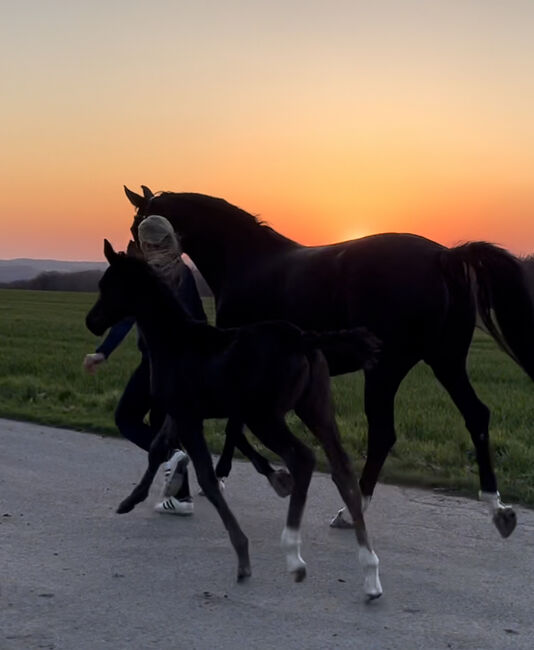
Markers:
<point>328,120</point>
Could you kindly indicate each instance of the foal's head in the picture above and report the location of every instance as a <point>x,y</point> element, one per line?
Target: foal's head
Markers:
<point>125,280</point>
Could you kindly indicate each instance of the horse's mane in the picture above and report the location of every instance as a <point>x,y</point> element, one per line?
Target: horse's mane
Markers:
<point>218,205</point>
<point>229,212</point>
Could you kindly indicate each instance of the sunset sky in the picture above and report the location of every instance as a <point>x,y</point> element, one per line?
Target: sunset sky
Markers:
<point>330,120</point>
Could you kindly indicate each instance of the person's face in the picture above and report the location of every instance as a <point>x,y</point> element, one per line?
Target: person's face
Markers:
<point>163,246</point>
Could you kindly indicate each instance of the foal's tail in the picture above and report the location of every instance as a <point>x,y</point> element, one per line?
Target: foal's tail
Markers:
<point>361,344</point>
<point>504,302</point>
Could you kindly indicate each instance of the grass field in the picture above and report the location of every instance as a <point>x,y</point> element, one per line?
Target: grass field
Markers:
<point>43,340</point>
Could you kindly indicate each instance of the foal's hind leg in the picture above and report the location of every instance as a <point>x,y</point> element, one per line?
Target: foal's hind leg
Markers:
<point>381,384</point>
<point>279,479</point>
<point>274,433</point>
<point>454,378</point>
<point>315,408</point>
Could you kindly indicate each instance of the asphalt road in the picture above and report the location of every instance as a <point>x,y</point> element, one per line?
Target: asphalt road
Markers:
<point>74,575</point>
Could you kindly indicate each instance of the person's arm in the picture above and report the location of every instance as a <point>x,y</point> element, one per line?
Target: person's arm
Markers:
<point>114,338</point>
<point>189,296</point>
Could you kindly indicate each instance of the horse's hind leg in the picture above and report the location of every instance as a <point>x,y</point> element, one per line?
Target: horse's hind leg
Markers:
<point>315,408</point>
<point>280,479</point>
<point>453,376</point>
<point>273,432</point>
<point>194,442</point>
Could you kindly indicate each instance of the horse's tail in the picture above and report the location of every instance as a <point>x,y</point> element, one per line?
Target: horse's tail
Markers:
<point>360,344</point>
<point>503,300</point>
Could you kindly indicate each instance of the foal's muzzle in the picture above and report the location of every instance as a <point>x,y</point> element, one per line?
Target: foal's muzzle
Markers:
<point>95,320</point>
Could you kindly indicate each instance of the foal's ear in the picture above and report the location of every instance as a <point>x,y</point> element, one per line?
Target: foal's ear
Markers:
<point>110,254</point>
<point>135,199</point>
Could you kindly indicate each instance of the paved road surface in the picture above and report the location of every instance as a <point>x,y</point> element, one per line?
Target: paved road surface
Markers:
<point>76,576</point>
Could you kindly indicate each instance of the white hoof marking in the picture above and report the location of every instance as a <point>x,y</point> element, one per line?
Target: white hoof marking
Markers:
<point>369,563</point>
<point>290,542</point>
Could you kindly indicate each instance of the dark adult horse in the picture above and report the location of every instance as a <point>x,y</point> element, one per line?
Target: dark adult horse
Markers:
<point>420,298</point>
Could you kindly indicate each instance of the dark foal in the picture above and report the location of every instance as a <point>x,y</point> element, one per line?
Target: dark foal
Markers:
<point>255,373</point>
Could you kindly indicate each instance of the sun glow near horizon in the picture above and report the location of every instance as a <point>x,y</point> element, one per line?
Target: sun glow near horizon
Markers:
<point>329,122</point>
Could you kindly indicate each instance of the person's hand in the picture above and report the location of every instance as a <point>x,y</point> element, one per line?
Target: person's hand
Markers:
<point>92,361</point>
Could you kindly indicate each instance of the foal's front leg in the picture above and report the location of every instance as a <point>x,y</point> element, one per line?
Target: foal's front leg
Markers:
<point>157,454</point>
<point>192,437</point>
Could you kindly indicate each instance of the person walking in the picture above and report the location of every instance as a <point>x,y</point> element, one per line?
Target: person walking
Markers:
<point>161,249</point>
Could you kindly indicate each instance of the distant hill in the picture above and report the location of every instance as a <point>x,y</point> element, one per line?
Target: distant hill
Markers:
<point>26,269</point>
<point>56,275</point>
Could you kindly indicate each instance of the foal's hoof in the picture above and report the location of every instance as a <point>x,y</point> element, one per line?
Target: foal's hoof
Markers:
<point>125,506</point>
<point>282,482</point>
<point>505,521</point>
<point>339,521</point>
<point>299,574</point>
<point>371,597</point>
<point>243,573</point>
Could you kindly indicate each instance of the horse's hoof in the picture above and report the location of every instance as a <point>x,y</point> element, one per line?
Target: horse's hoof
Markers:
<point>243,573</point>
<point>282,482</point>
<point>505,521</point>
<point>340,522</point>
<point>299,574</point>
<point>125,506</point>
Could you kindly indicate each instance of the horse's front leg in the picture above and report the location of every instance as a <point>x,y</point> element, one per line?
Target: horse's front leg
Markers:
<point>157,454</point>
<point>192,437</point>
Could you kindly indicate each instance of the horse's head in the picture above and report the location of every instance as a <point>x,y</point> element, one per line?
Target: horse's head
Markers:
<point>142,203</point>
<point>119,288</point>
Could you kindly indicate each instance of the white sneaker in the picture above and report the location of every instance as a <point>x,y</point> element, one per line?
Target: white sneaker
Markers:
<point>174,471</point>
<point>171,506</point>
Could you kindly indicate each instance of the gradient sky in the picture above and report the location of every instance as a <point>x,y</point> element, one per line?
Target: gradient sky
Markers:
<point>329,119</point>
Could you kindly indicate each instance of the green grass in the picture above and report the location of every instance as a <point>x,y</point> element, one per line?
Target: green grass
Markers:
<point>43,340</point>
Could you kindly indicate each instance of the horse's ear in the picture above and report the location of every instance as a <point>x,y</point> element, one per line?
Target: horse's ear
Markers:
<point>110,254</point>
<point>147,193</point>
<point>135,199</point>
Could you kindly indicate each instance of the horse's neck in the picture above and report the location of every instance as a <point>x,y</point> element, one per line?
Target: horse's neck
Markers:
<point>221,257</point>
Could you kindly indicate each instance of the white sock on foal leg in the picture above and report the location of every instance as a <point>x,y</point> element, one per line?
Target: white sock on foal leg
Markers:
<point>493,501</point>
<point>290,542</point>
<point>369,563</point>
<point>502,516</point>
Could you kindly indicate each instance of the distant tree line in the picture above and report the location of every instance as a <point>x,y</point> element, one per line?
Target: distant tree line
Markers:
<point>88,280</point>
<point>79,281</point>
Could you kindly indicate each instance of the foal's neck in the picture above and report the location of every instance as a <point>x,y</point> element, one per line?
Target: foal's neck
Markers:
<point>161,318</point>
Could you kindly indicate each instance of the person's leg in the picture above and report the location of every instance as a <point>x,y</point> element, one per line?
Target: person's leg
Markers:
<point>176,497</point>
<point>133,407</point>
